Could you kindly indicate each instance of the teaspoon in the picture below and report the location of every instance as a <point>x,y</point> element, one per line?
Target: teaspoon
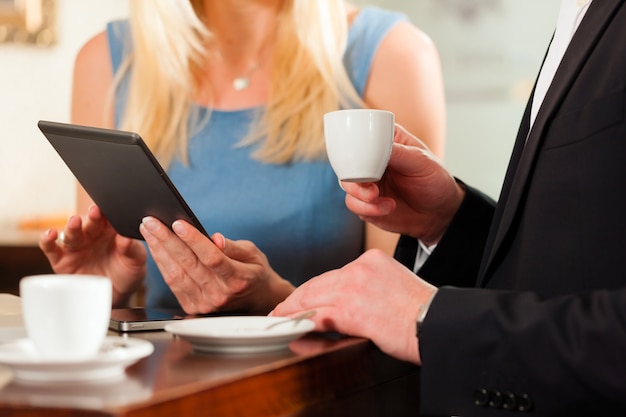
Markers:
<point>296,319</point>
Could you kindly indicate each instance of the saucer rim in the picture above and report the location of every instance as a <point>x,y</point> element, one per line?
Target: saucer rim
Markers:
<point>138,348</point>
<point>189,327</point>
<point>212,342</point>
<point>110,365</point>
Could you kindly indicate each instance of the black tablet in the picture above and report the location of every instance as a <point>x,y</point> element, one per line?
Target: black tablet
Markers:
<point>120,174</point>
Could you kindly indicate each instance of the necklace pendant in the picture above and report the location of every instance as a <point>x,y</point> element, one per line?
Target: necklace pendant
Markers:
<point>241,83</point>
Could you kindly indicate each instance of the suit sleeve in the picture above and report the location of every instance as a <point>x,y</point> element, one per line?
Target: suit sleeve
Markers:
<point>485,352</point>
<point>456,259</point>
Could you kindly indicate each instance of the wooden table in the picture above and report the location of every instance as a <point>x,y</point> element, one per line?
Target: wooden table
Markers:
<point>320,375</point>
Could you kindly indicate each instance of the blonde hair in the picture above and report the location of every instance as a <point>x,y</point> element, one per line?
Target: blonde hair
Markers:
<point>308,78</point>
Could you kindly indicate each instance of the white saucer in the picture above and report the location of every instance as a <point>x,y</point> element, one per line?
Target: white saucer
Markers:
<point>239,334</point>
<point>115,355</point>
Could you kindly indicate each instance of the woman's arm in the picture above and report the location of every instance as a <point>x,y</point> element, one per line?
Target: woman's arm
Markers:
<point>90,244</point>
<point>93,77</point>
<point>406,79</point>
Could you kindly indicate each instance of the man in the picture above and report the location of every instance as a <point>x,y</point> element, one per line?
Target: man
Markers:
<point>545,331</point>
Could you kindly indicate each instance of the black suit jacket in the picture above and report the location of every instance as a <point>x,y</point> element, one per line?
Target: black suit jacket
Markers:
<point>552,339</point>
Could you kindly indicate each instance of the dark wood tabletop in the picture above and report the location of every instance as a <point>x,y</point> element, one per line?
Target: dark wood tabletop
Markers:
<point>319,375</point>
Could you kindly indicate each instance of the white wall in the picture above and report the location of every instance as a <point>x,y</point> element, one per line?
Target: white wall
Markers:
<point>490,50</point>
<point>35,83</point>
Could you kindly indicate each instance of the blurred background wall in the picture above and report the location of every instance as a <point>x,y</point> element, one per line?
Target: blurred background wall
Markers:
<point>490,50</point>
<point>35,84</point>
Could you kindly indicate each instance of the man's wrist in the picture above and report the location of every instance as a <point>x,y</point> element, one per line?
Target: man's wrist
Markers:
<point>439,224</point>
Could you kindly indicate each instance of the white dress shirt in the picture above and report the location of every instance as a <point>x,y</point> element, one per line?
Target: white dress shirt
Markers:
<point>570,15</point>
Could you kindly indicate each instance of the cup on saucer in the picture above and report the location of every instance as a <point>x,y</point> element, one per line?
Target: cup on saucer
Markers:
<point>358,143</point>
<point>66,316</point>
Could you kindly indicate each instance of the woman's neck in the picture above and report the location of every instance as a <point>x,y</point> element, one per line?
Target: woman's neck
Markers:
<point>239,55</point>
<point>241,27</point>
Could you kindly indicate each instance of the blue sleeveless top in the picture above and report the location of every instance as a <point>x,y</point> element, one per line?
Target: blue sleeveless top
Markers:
<point>295,213</point>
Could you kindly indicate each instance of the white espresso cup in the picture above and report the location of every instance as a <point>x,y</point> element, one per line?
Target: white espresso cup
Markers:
<point>358,143</point>
<point>66,316</point>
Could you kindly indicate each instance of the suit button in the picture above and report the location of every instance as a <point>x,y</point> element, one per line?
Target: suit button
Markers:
<point>509,401</point>
<point>481,397</point>
<point>496,399</point>
<point>524,403</point>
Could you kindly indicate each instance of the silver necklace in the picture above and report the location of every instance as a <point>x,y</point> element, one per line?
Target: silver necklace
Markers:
<point>243,82</point>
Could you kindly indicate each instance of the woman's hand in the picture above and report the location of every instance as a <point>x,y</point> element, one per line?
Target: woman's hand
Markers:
<point>91,246</point>
<point>417,196</point>
<point>209,275</point>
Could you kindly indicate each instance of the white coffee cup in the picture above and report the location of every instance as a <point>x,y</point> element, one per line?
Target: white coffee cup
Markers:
<point>66,316</point>
<point>358,143</point>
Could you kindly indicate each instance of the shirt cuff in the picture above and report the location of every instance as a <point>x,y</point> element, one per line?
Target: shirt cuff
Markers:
<point>422,314</point>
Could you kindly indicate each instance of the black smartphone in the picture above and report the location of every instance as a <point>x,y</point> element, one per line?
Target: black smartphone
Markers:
<point>120,174</point>
<point>141,319</point>
<point>137,319</point>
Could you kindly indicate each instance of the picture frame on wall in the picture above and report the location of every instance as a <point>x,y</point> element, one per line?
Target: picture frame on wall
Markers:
<point>27,22</point>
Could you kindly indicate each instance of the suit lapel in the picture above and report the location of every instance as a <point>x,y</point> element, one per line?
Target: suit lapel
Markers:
<point>524,156</point>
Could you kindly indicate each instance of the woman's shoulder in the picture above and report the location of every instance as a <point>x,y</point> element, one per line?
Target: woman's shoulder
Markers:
<point>93,51</point>
<point>100,45</point>
<point>372,17</point>
<point>369,26</point>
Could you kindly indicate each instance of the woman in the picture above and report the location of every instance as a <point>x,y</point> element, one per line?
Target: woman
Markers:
<point>230,96</point>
